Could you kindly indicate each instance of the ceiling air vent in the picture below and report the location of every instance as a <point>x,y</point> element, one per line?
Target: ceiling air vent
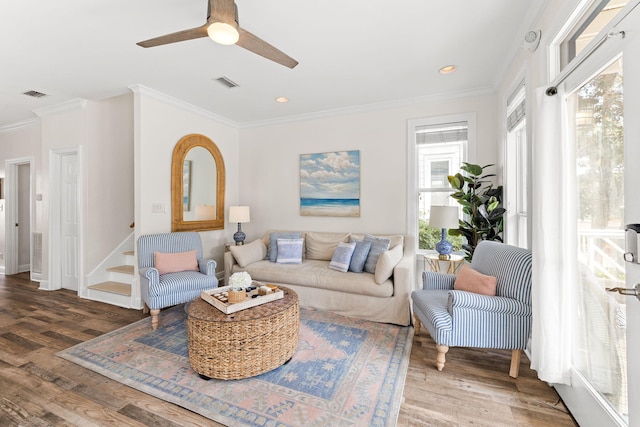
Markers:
<point>34,94</point>
<point>227,82</point>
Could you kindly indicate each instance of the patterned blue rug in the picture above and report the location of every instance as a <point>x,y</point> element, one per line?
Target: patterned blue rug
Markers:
<point>345,372</point>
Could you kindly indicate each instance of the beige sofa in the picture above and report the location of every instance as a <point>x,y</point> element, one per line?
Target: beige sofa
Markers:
<point>366,295</point>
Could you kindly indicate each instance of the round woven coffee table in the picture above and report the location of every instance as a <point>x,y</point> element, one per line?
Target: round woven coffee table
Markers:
<point>242,344</point>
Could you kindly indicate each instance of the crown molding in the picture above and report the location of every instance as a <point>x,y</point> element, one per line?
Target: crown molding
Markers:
<point>74,104</point>
<point>19,125</point>
<point>163,97</point>
<point>481,91</point>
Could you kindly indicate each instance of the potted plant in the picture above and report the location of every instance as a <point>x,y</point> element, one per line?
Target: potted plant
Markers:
<point>481,204</point>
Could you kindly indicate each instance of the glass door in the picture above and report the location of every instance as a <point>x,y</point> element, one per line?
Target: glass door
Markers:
<point>600,340</point>
<point>605,140</point>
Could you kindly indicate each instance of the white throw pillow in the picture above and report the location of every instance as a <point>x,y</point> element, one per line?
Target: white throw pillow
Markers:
<point>386,263</point>
<point>249,253</point>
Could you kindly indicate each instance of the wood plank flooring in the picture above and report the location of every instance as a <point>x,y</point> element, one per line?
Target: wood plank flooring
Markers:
<point>39,389</point>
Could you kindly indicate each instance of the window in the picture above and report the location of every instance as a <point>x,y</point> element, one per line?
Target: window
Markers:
<point>440,150</point>
<point>593,20</point>
<point>516,166</point>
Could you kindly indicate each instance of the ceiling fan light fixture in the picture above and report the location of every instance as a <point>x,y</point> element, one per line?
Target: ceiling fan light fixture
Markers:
<point>223,33</point>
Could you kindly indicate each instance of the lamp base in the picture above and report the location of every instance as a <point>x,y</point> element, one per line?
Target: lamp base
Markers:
<point>239,236</point>
<point>444,247</point>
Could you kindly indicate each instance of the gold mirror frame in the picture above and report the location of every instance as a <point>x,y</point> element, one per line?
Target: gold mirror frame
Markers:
<point>180,152</point>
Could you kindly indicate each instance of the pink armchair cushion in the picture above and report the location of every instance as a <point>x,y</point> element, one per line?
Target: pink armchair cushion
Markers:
<point>174,262</point>
<point>470,280</point>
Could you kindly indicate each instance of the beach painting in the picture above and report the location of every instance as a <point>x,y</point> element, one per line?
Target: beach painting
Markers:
<point>330,184</point>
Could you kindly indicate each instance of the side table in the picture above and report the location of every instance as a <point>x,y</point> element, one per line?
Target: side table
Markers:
<point>453,263</point>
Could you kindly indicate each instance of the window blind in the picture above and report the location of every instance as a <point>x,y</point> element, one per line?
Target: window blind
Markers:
<point>442,133</point>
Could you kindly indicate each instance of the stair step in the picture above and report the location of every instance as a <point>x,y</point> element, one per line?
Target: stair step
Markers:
<point>112,287</point>
<point>126,269</point>
<point>132,253</point>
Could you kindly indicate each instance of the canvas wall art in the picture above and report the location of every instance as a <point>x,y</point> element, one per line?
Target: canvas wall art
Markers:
<point>330,184</point>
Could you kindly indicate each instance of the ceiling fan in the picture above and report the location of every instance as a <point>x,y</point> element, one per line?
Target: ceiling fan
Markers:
<point>222,26</point>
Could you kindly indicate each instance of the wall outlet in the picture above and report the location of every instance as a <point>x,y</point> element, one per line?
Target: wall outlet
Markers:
<point>158,208</point>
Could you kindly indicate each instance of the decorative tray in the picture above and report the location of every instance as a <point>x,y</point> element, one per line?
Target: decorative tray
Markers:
<point>218,297</point>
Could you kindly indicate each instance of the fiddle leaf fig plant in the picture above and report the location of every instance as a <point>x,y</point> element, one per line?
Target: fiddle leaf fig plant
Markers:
<point>481,203</point>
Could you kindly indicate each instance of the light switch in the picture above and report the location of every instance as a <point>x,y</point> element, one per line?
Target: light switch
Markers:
<point>158,208</point>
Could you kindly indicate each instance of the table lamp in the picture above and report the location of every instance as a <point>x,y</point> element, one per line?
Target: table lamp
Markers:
<point>239,214</point>
<point>444,217</point>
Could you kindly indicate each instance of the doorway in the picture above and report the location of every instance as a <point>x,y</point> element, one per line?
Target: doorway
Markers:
<point>603,102</point>
<point>18,217</point>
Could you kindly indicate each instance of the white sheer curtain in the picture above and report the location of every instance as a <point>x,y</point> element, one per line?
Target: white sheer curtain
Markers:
<point>553,240</point>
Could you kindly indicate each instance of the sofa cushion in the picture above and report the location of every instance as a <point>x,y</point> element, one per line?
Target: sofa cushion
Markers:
<point>289,251</point>
<point>471,280</point>
<point>321,246</point>
<point>386,263</point>
<point>378,246</point>
<point>273,242</point>
<point>316,274</point>
<point>342,256</point>
<point>359,256</point>
<point>173,262</point>
<point>251,252</point>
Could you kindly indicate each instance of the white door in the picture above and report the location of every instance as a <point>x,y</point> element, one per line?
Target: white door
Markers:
<point>604,117</point>
<point>69,221</point>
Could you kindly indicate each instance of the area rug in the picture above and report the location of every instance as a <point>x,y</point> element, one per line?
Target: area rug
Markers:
<point>345,372</point>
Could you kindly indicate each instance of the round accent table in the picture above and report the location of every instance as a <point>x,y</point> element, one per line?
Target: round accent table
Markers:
<point>245,343</point>
<point>433,262</point>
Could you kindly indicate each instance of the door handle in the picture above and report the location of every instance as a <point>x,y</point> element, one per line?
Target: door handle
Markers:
<point>635,291</point>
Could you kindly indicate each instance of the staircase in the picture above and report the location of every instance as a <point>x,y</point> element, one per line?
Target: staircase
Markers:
<point>111,282</point>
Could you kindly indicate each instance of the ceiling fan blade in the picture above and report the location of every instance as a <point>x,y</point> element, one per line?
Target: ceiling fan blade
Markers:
<point>260,47</point>
<point>180,36</point>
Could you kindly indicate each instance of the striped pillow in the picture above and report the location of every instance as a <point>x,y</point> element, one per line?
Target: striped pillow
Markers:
<point>273,242</point>
<point>289,251</point>
<point>342,256</point>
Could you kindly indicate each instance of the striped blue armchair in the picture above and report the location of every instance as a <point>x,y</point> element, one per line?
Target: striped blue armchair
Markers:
<point>165,290</point>
<point>457,318</point>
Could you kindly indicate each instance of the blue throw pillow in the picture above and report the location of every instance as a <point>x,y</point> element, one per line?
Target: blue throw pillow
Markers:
<point>289,251</point>
<point>342,256</point>
<point>378,246</point>
<point>273,242</point>
<point>359,256</point>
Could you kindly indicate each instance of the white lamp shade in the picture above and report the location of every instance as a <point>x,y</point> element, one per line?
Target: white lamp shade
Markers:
<point>205,212</point>
<point>443,217</point>
<point>239,214</point>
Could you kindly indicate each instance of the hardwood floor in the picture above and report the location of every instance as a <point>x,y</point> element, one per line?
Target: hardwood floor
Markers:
<point>39,389</point>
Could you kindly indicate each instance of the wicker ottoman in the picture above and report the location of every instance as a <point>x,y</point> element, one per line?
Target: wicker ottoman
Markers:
<point>243,344</point>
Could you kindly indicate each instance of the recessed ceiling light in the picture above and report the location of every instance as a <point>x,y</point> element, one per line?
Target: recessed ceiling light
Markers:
<point>448,69</point>
<point>282,99</point>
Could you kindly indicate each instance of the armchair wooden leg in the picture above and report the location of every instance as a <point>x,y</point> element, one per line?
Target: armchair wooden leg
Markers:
<point>440,359</point>
<point>416,321</point>
<point>154,319</point>
<point>145,308</point>
<point>515,364</point>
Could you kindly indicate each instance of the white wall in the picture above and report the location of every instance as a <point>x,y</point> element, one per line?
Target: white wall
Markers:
<point>269,164</point>
<point>160,122</point>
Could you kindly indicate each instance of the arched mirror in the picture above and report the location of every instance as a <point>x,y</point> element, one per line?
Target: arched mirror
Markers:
<point>197,185</point>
